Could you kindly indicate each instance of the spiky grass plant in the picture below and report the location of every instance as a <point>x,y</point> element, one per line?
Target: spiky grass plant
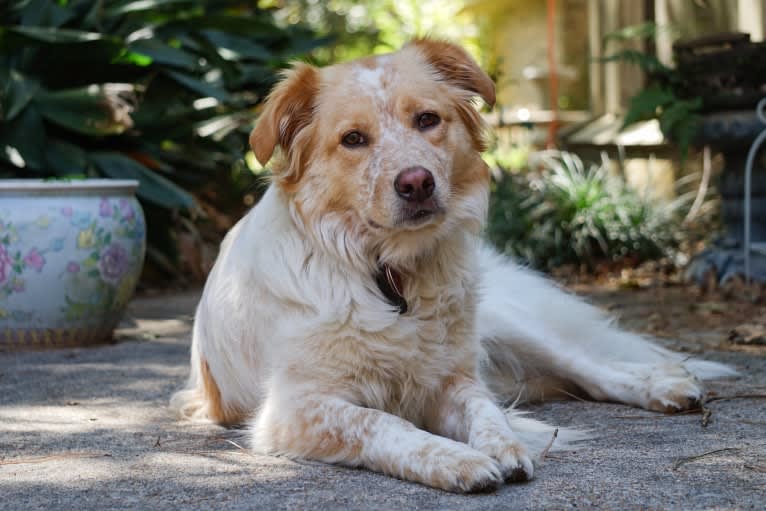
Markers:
<point>570,212</point>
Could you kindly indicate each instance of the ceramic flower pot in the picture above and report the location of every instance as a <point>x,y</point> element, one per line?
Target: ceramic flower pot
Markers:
<point>70,257</point>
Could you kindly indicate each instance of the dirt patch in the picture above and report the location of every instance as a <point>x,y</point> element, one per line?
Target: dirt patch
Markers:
<point>682,316</point>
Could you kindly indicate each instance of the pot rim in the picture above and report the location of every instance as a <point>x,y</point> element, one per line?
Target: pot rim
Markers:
<point>90,186</point>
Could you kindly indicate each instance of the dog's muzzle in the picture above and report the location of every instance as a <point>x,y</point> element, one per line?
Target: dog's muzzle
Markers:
<point>416,186</point>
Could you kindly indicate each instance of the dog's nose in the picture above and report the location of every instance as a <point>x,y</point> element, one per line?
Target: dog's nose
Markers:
<point>414,184</point>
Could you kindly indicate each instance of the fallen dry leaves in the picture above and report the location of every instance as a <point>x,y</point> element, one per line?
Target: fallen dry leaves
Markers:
<point>655,299</point>
<point>749,333</point>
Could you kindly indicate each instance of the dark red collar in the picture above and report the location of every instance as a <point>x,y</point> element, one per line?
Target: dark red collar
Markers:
<point>390,284</point>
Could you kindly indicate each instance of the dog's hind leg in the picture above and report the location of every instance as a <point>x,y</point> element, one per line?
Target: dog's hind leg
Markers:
<point>542,342</point>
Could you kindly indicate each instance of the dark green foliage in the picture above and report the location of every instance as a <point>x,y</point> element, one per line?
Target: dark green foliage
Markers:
<point>679,118</point>
<point>650,64</point>
<point>162,91</point>
<point>567,212</point>
<point>664,98</point>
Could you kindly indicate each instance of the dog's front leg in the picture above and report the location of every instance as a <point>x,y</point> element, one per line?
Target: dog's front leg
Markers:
<point>467,413</point>
<point>332,430</point>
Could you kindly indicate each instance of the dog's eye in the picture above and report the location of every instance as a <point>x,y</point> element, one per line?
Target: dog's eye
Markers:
<point>428,120</point>
<point>354,139</point>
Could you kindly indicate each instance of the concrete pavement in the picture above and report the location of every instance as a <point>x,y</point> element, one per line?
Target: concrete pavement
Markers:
<point>90,429</point>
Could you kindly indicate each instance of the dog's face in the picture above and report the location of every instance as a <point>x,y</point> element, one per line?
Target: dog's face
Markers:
<point>383,150</point>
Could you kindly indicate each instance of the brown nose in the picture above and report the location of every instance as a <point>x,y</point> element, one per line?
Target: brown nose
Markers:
<point>414,184</point>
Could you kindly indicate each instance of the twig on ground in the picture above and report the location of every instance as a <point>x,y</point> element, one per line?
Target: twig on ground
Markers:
<point>573,396</point>
<point>550,444</point>
<point>228,441</point>
<point>204,453</point>
<point>53,457</point>
<point>739,384</point>
<point>689,459</point>
<point>736,396</point>
<point>706,412</point>
<point>756,468</point>
<point>214,439</point>
<point>654,415</point>
<point>235,444</point>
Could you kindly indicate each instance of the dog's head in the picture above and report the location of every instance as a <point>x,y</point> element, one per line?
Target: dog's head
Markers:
<point>381,153</point>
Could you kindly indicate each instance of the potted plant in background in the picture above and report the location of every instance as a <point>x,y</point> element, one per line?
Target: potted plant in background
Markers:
<point>99,100</point>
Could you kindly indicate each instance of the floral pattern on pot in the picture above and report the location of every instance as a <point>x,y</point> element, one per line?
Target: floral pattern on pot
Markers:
<point>105,258</point>
<point>68,262</point>
<point>14,263</point>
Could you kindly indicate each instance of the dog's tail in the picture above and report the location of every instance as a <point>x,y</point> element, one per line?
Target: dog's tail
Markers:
<point>200,400</point>
<point>190,402</point>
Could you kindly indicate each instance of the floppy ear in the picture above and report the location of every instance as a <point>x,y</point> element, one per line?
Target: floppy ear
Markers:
<point>455,66</point>
<point>288,110</point>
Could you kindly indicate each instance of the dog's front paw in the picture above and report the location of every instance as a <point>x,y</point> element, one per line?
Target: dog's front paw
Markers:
<point>515,464</point>
<point>466,471</point>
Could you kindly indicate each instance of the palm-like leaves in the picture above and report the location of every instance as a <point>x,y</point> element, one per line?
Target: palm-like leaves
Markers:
<point>118,67</point>
<point>160,90</point>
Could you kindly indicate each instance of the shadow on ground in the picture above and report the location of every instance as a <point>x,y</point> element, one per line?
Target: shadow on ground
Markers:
<point>90,429</point>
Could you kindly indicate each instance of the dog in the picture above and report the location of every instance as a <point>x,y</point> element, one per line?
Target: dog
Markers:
<point>354,315</point>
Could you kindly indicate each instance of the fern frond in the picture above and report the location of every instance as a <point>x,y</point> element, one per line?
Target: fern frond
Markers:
<point>648,63</point>
<point>647,103</point>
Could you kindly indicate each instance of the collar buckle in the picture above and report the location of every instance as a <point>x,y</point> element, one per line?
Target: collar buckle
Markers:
<point>390,284</point>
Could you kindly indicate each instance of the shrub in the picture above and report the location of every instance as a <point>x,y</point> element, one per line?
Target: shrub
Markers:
<point>569,212</point>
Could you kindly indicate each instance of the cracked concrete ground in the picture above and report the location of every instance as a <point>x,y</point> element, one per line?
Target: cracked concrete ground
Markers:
<point>90,429</point>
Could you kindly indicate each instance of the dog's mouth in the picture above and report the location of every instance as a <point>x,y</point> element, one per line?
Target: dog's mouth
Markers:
<point>419,215</point>
<point>411,217</point>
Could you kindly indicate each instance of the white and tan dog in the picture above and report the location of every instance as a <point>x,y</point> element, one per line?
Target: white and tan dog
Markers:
<point>354,315</point>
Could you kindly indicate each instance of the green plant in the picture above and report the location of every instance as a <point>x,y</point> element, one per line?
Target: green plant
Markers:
<point>664,98</point>
<point>364,27</point>
<point>513,158</point>
<point>569,212</point>
<point>162,91</point>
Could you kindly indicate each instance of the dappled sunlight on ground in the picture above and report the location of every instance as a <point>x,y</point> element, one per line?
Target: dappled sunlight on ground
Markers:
<point>91,429</point>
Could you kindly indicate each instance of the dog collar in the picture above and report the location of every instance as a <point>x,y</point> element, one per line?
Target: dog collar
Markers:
<point>390,284</point>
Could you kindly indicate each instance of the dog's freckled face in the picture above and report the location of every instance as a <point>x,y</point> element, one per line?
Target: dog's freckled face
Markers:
<point>389,144</point>
<point>380,167</point>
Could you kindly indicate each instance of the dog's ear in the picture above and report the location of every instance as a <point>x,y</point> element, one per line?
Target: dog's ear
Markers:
<point>455,66</point>
<point>288,110</point>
